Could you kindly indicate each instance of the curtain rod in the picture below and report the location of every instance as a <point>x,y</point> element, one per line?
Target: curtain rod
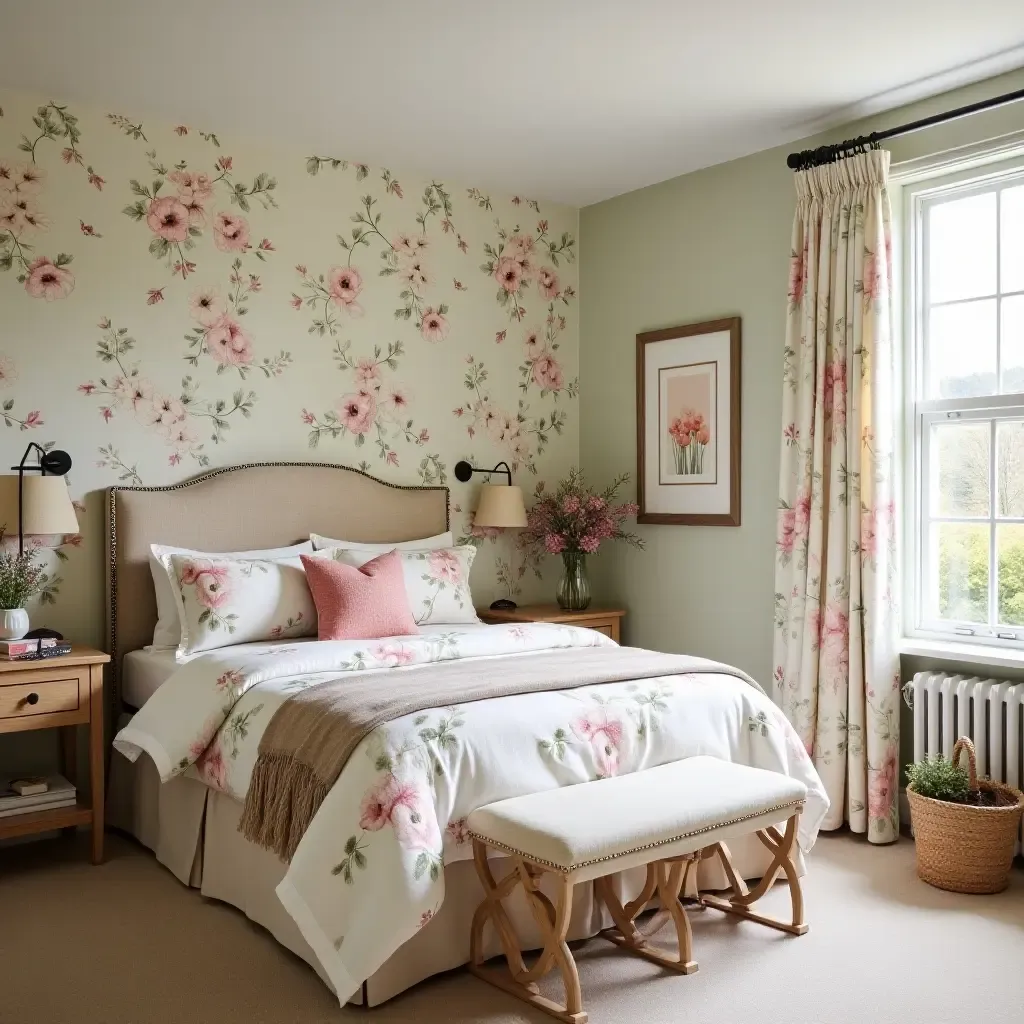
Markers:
<point>829,154</point>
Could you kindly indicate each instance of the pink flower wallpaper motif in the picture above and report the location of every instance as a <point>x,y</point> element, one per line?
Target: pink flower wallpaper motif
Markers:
<point>22,219</point>
<point>176,420</point>
<point>48,280</point>
<point>514,261</point>
<point>177,221</point>
<point>177,300</point>
<point>376,406</point>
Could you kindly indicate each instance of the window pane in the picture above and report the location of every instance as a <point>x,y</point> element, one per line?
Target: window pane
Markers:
<point>960,571</point>
<point>962,248</point>
<point>1012,239</point>
<point>1012,343</point>
<point>962,350</point>
<point>960,454</point>
<point>1010,469</point>
<point>1010,553</point>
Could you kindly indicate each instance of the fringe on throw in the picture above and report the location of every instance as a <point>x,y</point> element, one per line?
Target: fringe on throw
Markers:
<point>283,796</point>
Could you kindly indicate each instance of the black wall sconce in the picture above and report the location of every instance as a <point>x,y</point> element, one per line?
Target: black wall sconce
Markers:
<point>52,511</point>
<point>464,471</point>
<point>500,508</point>
<point>37,506</point>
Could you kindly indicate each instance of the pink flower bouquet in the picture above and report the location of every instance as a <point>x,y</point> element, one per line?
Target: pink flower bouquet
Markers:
<point>574,522</point>
<point>576,518</point>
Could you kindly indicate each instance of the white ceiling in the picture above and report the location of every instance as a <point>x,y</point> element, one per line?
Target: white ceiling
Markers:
<point>571,100</point>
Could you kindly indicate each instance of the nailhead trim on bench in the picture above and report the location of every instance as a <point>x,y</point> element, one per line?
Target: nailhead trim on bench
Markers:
<point>635,849</point>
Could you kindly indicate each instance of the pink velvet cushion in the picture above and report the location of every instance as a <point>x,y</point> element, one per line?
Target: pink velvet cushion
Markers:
<point>360,604</point>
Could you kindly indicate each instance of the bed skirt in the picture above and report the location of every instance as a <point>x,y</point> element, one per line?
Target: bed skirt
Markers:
<point>193,831</point>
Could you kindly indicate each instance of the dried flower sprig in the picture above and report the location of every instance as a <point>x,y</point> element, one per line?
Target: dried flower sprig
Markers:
<point>21,576</point>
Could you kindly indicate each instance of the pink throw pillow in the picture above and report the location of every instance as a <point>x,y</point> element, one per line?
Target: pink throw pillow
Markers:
<point>360,604</point>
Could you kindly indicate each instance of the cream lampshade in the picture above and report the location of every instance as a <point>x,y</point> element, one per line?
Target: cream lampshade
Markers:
<point>46,506</point>
<point>500,505</point>
<point>9,505</point>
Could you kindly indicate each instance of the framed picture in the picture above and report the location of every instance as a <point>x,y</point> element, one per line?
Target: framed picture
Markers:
<point>688,424</point>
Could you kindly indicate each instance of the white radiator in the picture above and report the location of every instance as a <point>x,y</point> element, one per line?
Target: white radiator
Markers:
<point>989,711</point>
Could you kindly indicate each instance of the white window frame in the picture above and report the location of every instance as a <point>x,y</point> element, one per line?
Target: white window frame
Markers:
<point>921,413</point>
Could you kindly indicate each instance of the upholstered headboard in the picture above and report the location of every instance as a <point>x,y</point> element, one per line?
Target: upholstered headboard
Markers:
<point>262,505</point>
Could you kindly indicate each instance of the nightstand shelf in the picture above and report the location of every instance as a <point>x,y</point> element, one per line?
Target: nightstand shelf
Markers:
<point>59,693</point>
<point>604,620</point>
<point>31,822</point>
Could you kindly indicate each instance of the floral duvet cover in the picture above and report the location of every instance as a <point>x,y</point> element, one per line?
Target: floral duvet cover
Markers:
<point>369,870</point>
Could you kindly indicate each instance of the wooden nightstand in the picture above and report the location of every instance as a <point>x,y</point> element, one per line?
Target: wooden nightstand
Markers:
<point>604,620</point>
<point>61,693</point>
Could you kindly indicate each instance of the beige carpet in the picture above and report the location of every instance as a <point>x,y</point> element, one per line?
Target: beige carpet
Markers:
<point>125,943</point>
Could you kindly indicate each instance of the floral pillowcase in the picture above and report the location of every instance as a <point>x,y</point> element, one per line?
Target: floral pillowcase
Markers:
<point>436,582</point>
<point>224,601</point>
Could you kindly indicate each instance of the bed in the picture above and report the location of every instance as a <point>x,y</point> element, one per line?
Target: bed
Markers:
<point>191,821</point>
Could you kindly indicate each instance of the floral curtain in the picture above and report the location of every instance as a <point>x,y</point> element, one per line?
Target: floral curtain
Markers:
<point>836,612</point>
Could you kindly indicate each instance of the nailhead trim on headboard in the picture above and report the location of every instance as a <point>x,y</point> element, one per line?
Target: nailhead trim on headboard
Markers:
<point>115,665</point>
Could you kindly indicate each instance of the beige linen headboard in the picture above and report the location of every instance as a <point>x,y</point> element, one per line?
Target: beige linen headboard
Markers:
<point>239,508</point>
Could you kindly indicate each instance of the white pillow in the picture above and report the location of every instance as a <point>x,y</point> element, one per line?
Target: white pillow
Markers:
<point>441,540</point>
<point>436,582</point>
<point>167,633</point>
<point>224,601</point>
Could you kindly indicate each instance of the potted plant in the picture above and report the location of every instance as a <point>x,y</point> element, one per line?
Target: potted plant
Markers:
<point>964,827</point>
<point>574,522</point>
<point>21,577</point>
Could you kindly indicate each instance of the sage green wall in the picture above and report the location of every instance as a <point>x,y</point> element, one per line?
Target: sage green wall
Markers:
<point>712,244</point>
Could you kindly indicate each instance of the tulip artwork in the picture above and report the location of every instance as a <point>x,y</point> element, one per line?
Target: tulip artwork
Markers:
<point>688,424</point>
<point>690,439</point>
<point>688,414</point>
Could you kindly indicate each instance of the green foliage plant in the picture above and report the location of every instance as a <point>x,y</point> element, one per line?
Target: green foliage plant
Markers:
<point>938,778</point>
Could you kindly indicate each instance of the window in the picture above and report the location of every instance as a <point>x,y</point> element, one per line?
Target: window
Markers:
<point>965,427</point>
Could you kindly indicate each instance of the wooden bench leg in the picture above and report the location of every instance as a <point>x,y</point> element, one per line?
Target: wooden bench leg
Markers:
<point>553,922</point>
<point>668,879</point>
<point>739,900</point>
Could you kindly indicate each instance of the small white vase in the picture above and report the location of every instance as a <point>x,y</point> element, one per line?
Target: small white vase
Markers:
<point>13,623</point>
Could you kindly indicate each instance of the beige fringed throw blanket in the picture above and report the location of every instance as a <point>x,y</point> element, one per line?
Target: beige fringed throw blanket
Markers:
<point>314,733</point>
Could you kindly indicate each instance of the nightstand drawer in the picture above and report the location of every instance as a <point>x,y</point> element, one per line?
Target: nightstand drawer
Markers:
<point>608,630</point>
<point>47,697</point>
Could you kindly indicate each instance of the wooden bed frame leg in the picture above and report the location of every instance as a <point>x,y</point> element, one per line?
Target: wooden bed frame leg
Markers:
<point>668,878</point>
<point>739,900</point>
<point>553,923</point>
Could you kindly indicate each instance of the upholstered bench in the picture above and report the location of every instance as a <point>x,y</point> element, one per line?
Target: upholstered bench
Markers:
<point>666,818</point>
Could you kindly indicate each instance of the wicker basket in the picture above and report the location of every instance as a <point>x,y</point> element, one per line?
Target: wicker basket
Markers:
<point>961,847</point>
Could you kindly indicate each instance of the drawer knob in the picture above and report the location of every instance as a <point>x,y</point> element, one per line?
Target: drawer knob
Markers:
<point>32,698</point>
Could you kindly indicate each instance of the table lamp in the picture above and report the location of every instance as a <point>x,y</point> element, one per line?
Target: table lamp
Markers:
<point>500,507</point>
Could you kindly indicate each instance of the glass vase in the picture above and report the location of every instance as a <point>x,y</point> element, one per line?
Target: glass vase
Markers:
<point>573,592</point>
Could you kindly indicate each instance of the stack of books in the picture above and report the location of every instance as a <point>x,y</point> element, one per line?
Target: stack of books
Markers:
<point>31,650</point>
<point>25,795</point>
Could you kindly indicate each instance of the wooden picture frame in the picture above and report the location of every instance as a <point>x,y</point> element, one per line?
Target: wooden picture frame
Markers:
<point>688,424</point>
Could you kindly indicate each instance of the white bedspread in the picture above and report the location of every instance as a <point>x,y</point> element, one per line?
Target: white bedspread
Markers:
<point>368,872</point>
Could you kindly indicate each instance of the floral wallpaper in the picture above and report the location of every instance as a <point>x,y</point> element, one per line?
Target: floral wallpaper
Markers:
<point>173,299</point>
